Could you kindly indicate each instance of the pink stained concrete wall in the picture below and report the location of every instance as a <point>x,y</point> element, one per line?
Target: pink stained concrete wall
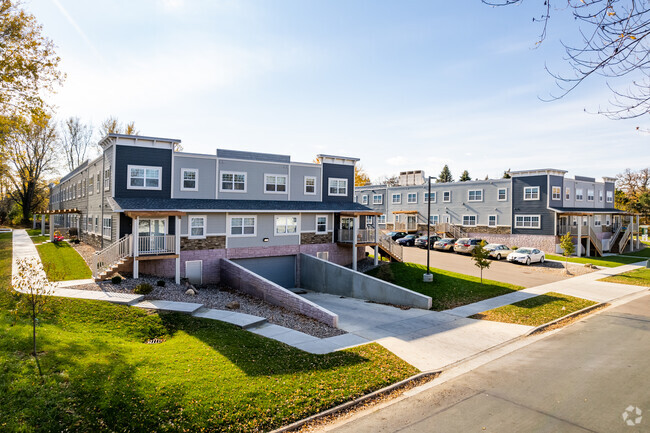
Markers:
<point>543,242</point>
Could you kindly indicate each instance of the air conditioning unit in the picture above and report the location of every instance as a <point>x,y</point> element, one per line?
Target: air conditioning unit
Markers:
<point>325,255</point>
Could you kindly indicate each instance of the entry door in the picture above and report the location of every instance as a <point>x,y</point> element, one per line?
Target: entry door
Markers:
<point>347,223</point>
<point>445,218</point>
<point>411,222</point>
<point>151,234</point>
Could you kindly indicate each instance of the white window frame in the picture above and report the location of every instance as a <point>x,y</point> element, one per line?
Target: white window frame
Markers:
<point>446,196</point>
<point>408,197</point>
<point>105,227</point>
<point>234,173</point>
<point>556,193</point>
<point>533,191</point>
<point>426,197</point>
<point>600,195</point>
<point>590,195</point>
<point>196,179</point>
<point>364,199</point>
<point>608,220</point>
<point>469,216</point>
<point>469,195</point>
<point>305,184</point>
<point>399,198</point>
<point>107,179</point>
<point>580,196</point>
<point>275,183</point>
<point>381,219</point>
<point>189,226</point>
<point>610,197</point>
<point>242,235</point>
<point>98,182</point>
<point>505,194</point>
<point>320,232</point>
<point>567,193</point>
<point>369,220</point>
<point>286,226</point>
<point>496,218</point>
<point>434,219</point>
<point>145,168</point>
<point>520,221</point>
<point>597,220</point>
<point>374,198</point>
<point>337,180</point>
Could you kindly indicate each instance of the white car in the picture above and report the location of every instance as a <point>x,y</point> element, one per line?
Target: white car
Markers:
<point>526,256</point>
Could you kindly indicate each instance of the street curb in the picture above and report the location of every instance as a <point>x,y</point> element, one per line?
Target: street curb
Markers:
<point>296,425</point>
<point>542,328</point>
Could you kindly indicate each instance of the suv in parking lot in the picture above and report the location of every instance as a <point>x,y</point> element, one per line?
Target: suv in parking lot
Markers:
<point>446,244</point>
<point>466,245</point>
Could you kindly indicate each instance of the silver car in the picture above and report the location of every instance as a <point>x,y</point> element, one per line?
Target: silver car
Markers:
<point>498,251</point>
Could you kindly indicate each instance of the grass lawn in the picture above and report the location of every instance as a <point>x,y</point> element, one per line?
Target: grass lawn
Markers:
<point>608,262</point>
<point>644,253</point>
<point>34,232</point>
<point>536,311</point>
<point>448,290</point>
<point>637,277</point>
<point>62,262</point>
<point>40,239</point>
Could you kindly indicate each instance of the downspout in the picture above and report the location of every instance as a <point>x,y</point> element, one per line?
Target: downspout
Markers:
<point>102,202</point>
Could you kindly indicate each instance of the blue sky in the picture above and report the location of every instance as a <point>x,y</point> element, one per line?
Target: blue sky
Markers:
<point>402,85</point>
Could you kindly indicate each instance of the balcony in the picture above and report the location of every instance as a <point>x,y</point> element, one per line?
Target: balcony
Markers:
<point>364,236</point>
<point>156,245</point>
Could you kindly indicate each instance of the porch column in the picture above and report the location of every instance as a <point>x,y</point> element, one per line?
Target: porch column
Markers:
<point>134,231</point>
<point>51,226</point>
<point>177,239</point>
<point>588,236</point>
<point>579,246</point>
<point>34,221</point>
<point>42,224</point>
<point>376,219</point>
<point>638,233</point>
<point>79,226</point>
<point>354,242</point>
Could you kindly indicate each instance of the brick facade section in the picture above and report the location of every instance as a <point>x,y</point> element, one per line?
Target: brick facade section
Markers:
<point>208,243</point>
<point>543,242</point>
<point>313,238</point>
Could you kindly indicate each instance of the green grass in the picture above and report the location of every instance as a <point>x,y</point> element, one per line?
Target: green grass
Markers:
<point>448,289</point>
<point>637,277</point>
<point>34,232</point>
<point>644,253</point>
<point>62,262</point>
<point>536,311</point>
<point>608,262</point>
<point>40,239</point>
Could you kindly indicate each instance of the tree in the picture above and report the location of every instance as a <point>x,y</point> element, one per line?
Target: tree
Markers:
<point>566,243</point>
<point>113,126</point>
<point>632,186</point>
<point>614,44</point>
<point>389,181</point>
<point>480,256</point>
<point>465,176</point>
<point>445,175</point>
<point>75,139</point>
<point>360,176</point>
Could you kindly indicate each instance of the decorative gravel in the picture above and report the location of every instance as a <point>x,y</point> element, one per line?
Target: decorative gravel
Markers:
<point>575,269</point>
<point>86,251</point>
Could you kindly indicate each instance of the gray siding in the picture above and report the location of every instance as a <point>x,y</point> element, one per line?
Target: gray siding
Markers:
<point>255,172</point>
<point>207,175</point>
<point>297,175</point>
<point>265,229</point>
<point>215,224</point>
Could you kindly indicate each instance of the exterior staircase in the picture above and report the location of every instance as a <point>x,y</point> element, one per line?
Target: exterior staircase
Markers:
<point>595,241</point>
<point>114,258</point>
<point>389,248</point>
<point>451,230</point>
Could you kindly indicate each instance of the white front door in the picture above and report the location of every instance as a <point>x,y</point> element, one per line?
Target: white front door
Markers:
<point>151,235</point>
<point>445,219</point>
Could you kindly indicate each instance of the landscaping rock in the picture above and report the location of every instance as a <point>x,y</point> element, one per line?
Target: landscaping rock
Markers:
<point>234,305</point>
<point>190,292</point>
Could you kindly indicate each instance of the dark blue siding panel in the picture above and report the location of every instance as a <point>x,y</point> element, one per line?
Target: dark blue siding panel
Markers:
<point>555,181</point>
<point>341,172</point>
<point>532,207</point>
<point>132,155</point>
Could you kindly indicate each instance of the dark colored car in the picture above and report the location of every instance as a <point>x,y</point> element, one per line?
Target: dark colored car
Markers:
<point>407,241</point>
<point>422,241</point>
<point>396,235</point>
<point>446,244</point>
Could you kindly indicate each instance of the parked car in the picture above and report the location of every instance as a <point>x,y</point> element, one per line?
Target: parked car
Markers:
<point>466,245</point>
<point>422,241</point>
<point>446,244</point>
<point>526,255</point>
<point>407,241</point>
<point>498,251</point>
<point>396,235</point>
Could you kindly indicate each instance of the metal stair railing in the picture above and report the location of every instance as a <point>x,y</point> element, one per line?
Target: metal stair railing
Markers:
<point>392,247</point>
<point>626,237</point>
<point>596,241</point>
<point>109,256</point>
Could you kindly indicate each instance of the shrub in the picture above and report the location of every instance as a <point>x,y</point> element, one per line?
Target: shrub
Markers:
<point>160,283</point>
<point>116,279</point>
<point>385,273</point>
<point>514,247</point>
<point>143,289</point>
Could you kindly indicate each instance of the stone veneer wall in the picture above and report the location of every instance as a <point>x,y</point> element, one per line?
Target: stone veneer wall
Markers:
<point>543,242</point>
<point>208,243</point>
<point>313,238</point>
<point>240,278</point>
<point>92,239</point>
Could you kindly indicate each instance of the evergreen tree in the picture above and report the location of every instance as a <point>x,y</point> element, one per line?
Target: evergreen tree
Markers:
<point>445,175</point>
<point>465,176</point>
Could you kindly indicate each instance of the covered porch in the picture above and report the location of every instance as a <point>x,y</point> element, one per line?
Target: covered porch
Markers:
<point>51,226</point>
<point>406,221</point>
<point>359,229</point>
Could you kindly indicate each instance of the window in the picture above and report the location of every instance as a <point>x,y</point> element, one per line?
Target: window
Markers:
<point>397,198</point>
<point>96,224</point>
<point>190,179</point>
<point>234,182</point>
<point>381,219</point>
<point>412,197</point>
<point>426,197</point>
<point>74,191</point>
<point>557,193</point>
<point>377,199</point>
<point>368,220</point>
<point>475,195</point>
<point>567,193</point>
<point>97,185</point>
<point>492,220</point>
<point>83,187</point>
<point>275,183</point>
<point>242,226</point>
<point>321,224</point>
<point>600,195</point>
<point>196,227</point>
<point>143,177</point>
<point>364,199</point>
<point>597,220</point>
<point>107,179</point>
<point>446,196</point>
<point>91,184</point>
<point>502,194</point>
<point>434,219</point>
<point>527,221</point>
<point>531,193</point>
<point>610,196</point>
<point>579,194</point>
<point>590,195</point>
<point>310,185</point>
<point>608,220</point>
<point>106,232</point>
<point>286,225</point>
<point>338,186</point>
<point>469,220</point>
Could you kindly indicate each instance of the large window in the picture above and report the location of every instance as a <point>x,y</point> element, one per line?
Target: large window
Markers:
<point>412,197</point>
<point>197,227</point>
<point>142,177</point>
<point>381,219</point>
<point>597,220</point>
<point>434,219</point>
<point>189,179</point>
<point>338,186</point>
<point>242,226</point>
<point>590,195</point>
<point>579,194</point>
<point>475,195</point>
<point>396,198</point>
<point>502,194</point>
<point>377,199</point>
<point>310,185</point>
<point>286,225</point>
<point>106,232</point>
<point>275,183</point>
<point>321,224</point>
<point>527,221</point>
<point>531,193</point>
<point>557,193</point>
<point>492,220</point>
<point>426,197</point>
<point>469,220</point>
<point>610,196</point>
<point>446,196</point>
<point>234,182</point>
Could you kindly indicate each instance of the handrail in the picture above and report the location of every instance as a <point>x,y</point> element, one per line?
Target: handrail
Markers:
<point>455,231</point>
<point>364,236</point>
<point>112,254</point>
<point>596,241</point>
<point>617,231</point>
<point>156,244</point>
<point>625,238</point>
<point>389,245</point>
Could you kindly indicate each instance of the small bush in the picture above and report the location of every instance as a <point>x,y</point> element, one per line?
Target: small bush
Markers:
<point>385,273</point>
<point>143,289</point>
<point>116,279</point>
<point>160,283</point>
<point>514,247</point>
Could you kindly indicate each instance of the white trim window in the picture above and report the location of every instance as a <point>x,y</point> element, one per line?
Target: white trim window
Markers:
<point>337,186</point>
<point>98,183</point>
<point>377,199</point>
<point>531,193</point>
<point>243,226</point>
<point>364,199</point>
<point>567,193</point>
<point>232,181</point>
<point>469,220</point>
<point>310,185</point>
<point>106,227</point>
<point>107,179</point>
<point>590,195</point>
<point>597,220</point>
<point>600,195</point>
<point>141,177</point>
<point>275,184</point>
<point>381,219</point>
<point>579,194</point>
<point>96,224</point>
<point>475,195</point>
<point>369,219</point>
<point>434,219</point>
<point>412,197</point>
<point>610,197</point>
<point>426,197</point>
<point>286,225</point>
<point>196,225</point>
<point>446,196</point>
<point>396,199</point>
<point>528,221</point>
<point>492,220</point>
<point>608,220</point>
<point>502,194</point>
<point>321,224</point>
<point>556,193</point>
<point>189,179</point>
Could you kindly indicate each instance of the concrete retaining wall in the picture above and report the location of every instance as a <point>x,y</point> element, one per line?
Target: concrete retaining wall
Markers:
<point>240,278</point>
<point>323,276</point>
